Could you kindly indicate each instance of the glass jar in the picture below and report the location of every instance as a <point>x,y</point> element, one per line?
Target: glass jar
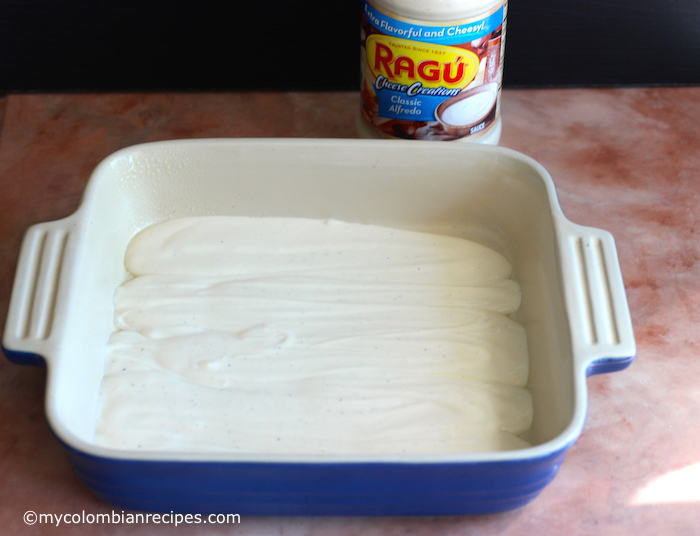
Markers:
<point>432,69</point>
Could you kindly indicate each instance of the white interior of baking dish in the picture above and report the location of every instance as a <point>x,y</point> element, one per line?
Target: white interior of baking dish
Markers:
<point>486,194</point>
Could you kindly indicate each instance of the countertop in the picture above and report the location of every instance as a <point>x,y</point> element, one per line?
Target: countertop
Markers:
<point>625,160</point>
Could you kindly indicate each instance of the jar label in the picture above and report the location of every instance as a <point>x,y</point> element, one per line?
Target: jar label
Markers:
<point>425,80</point>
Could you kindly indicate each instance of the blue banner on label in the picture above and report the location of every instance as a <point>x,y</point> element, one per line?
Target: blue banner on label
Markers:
<point>400,106</point>
<point>441,35</point>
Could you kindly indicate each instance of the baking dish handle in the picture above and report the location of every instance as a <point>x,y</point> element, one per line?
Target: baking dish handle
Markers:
<point>599,316</point>
<point>39,294</point>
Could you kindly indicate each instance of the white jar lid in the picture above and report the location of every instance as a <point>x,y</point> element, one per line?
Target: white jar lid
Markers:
<point>437,10</point>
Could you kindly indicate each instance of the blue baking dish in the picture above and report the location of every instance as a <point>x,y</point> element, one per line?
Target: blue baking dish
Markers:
<point>574,311</point>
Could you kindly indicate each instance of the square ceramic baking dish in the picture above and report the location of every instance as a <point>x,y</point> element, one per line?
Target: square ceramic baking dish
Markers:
<point>574,310</point>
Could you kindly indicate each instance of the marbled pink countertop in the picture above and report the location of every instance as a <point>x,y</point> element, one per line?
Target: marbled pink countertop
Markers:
<point>625,160</point>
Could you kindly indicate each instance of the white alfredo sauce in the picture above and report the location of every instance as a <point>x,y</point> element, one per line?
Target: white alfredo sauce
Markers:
<point>301,336</point>
<point>470,110</point>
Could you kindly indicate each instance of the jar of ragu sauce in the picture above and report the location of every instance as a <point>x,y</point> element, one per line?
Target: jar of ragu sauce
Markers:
<point>432,69</point>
